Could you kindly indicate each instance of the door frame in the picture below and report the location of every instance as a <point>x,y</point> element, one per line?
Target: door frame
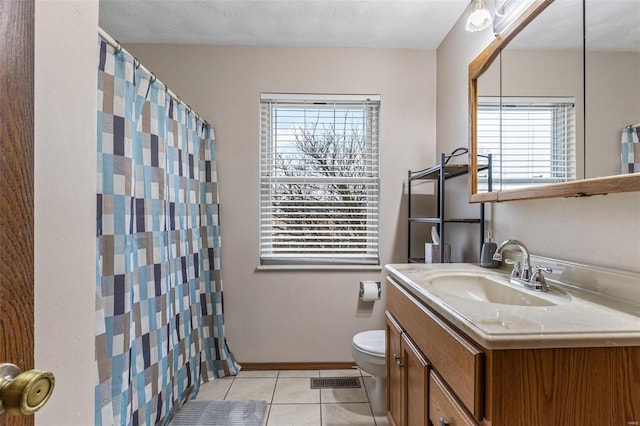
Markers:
<point>17,188</point>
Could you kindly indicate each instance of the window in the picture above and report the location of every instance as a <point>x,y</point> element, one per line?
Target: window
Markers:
<point>537,142</point>
<point>319,180</point>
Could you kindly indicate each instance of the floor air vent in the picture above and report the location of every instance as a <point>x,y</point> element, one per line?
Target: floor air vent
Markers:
<point>334,382</point>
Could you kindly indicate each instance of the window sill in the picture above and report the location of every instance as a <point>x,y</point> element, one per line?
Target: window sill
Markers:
<point>326,268</point>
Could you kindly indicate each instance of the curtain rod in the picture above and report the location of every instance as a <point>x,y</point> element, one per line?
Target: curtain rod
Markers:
<point>116,45</point>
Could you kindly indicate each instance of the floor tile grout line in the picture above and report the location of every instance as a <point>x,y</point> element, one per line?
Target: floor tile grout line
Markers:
<point>273,393</point>
<point>366,391</point>
<point>229,388</point>
<point>275,386</point>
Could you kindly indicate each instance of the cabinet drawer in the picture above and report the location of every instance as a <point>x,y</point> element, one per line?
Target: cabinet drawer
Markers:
<point>443,407</point>
<point>458,362</point>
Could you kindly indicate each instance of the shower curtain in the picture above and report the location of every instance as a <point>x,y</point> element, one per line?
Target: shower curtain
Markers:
<point>159,322</point>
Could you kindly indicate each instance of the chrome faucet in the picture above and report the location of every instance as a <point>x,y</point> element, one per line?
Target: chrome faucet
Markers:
<point>523,274</point>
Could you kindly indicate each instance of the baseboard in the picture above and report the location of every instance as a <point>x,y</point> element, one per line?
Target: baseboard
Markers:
<point>260,366</point>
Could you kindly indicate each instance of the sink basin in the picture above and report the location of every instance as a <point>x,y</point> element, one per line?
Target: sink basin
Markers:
<point>489,288</point>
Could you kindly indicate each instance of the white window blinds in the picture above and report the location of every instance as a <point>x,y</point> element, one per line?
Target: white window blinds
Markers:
<point>532,140</point>
<point>319,179</point>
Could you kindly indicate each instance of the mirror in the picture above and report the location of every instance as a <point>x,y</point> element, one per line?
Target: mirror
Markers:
<point>552,109</point>
<point>612,89</point>
<point>532,124</point>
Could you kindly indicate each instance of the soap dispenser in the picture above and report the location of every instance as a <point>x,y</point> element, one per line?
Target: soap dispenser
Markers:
<point>488,250</point>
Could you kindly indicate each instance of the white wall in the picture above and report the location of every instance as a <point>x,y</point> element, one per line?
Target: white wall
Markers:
<point>600,230</point>
<point>66,58</point>
<point>298,316</point>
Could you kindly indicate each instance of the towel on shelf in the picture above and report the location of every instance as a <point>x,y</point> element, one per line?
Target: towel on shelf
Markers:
<point>630,150</point>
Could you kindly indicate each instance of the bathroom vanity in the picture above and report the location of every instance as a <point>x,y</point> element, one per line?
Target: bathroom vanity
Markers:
<point>465,347</point>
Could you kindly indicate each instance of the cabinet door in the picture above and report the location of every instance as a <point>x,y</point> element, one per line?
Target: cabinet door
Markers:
<point>394,365</point>
<point>444,409</point>
<point>415,384</point>
<point>459,362</point>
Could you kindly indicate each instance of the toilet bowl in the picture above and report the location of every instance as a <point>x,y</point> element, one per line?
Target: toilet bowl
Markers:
<point>368,351</point>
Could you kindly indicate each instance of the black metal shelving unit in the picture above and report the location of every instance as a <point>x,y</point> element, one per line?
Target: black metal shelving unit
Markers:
<point>441,173</point>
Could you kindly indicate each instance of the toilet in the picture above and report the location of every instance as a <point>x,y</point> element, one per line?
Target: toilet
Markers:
<point>368,350</point>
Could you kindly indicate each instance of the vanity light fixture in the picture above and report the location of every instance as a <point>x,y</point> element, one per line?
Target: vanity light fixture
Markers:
<point>479,18</point>
<point>507,11</point>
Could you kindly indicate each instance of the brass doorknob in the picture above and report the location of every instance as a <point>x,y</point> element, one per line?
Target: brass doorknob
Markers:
<point>24,392</point>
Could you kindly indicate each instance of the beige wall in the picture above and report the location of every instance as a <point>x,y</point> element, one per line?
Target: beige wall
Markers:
<point>66,55</point>
<point>299,316</point>
<point>613,102</point>
<point>454,54</point>
<point>601,230</point>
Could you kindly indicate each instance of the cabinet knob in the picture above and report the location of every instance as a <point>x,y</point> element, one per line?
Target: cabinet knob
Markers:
<point>443,422</point>
<point>396,358</point>
<point>24,392</point>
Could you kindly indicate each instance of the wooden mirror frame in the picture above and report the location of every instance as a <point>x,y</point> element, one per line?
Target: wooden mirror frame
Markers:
<point>576,188</point>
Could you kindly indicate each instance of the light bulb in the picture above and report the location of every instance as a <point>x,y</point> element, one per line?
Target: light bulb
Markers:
<point>479,18</point>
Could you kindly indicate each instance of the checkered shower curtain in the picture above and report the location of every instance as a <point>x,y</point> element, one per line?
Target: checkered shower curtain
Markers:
<point>159,323</point>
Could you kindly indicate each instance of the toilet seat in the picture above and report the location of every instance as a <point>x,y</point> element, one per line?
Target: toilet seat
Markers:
<point>371,342</point>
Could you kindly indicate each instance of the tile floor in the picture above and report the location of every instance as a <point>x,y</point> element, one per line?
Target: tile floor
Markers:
<point>293,402</point>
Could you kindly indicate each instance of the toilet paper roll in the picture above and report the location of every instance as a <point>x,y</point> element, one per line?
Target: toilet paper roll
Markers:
<point>369,291</point>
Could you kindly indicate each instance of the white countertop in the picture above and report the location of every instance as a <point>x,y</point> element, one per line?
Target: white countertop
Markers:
<point>588,319</point>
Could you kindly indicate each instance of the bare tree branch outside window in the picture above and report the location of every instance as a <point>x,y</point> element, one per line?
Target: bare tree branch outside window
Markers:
<point>319,179</point>
<point>325,166</point>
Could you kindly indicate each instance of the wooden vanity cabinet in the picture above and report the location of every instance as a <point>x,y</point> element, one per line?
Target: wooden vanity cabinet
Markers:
<point>393,363</point>
<point>440,376</point>
<point>564,386</point>
<point>458,362</point>
<point>415,384</point>
<point>443,406</point>
<point>408,378</point>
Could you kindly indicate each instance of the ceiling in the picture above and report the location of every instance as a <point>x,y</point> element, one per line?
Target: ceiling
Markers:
<point>611,25</point>
<point>410,24</point>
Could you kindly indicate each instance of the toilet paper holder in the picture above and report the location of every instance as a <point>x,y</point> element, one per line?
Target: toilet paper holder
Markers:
<point>370,290</point>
